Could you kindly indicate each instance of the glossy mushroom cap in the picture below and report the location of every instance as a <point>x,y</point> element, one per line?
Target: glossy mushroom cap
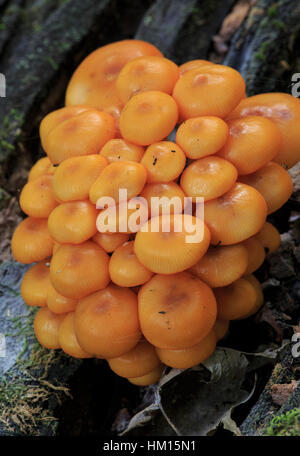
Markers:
<point>40,168</point>
<point>176,311</point>
<point>67,338</point>
<point>35,284</point>
<point>148,379</point>
<point>110,241</point>
<point>158,196</point>
<point>192,64</point>
<point>269,237</point>
<point>221,328</point>
<point>120,150</point>
<point>46,328</point>
<point>58,303</point>
<point>106,322</point>
<point>256,254</point>
<point>37,198</point>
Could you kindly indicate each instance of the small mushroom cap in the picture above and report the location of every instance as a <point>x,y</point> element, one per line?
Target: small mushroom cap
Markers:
<point>46,327</point>
<point>192,64</point>
<point>83,134</point>
<point>155,109</point>
<point>273,182</point>
<point>208,177</point>
<point>164,161</point>
<point>106,322</point>
<point>222,265</point>
<point>125,269</point>
<point>256,254</point>
<point>202,136</point>
<point>148,379</point>
<point>74,177</point>
<point>212,90</point>
<point>37,198</point>
<point>259,293</point>
<point>58,303</point>
<point>221,328</point>
<point>163,192</point>
<point>126,217</point>
<point>139,361</point>
<point>120,150</point>
<point>269,237</point>
<point>167,251</point>
<point>236,301</point>
<point>282,109</point>
<point>68,340</point>
<point>73,222</point>
<point>189,357</point>
<point>40,168</point>
<point>242,211</point>
<point>176,311</point>
<point>31,241</point>
<point>110,241</point>
<point>78,270</point>
<point>94,81</point>
<point>253,141</point>
<point>146,73</point>
<point>35,284</point>
<point>124,175</point>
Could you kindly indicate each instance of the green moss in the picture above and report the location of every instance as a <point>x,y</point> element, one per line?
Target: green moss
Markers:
<point>261,53</point>
<point>287,424</point>
<point>10,131</point>
<point>273,10</point>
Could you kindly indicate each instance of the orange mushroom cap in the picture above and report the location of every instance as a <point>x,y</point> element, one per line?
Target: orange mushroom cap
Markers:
<point>273,182</point>
<point>110,241</point>
<point>235,216</point>
<point>189,357</point>
<point>211,90</point>
<point>202,136</point>
<point>167,251</point>
<point>154,109</point>
<point>73,222</point>
<point>40,168</point>
<point>120,150</point>
<point>125,269</point>
<point>37,197</point>
<point>256,254</point>
<point>221,328</point>
<point>94,81</point>
<point>282,109</point>
<point>208,177</point>
<point>31,241</point>
<point>68,340</point>
<point>46,327</point>
<point>164,161</point>
<point>35,284</point>
<point>253,141</point>
<point>78,270</point>
<point>74,177</point>
<point>58,303</point>
<point>106,322</point>
<point>269,237</point>
<point>148,379</point>
<point>146,73</point>
<point>192,64</point>
<point>176,311</point>
<point>164,193</point>
<point>222,265</point>
<point>259,293</point>
<point>139,361</point>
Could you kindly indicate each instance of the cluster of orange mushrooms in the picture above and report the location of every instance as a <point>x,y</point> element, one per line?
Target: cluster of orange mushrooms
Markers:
<point>145,300</point>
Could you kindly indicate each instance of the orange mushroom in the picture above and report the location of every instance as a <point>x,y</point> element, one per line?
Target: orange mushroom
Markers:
<point>282,109</point>
<point>146,73</point>
<point>269,237</point>
<point>106,322</point>
<point>160,195</point>
<point>162,243</point>
<point>222,265</point>
<point>35,284</point>
<point>58,303</point>
<point>110,241</point>
<point>259,293</point>
<point>125,175</point>
<point>73,222</point>
<point>139,361</point>
<point>211,90</point>
<point>192,64</point>
<point>94,81</point>
<point>235,216</point>
<point>83,134</point>
<point>189,357</point>
<point>37,197</point>
<point>31,241</point>
<point>253,141</point>
<point>164,161</point>
<point>40,168</point>
<point>148,379</point>
<point>202,136</point>
<point>273,182</point>
<point>121,150</point>
<point>208,177</point>
<point>78,270</point>
<point>46,327</point>
<point>74,177</point>
<point>125,269</point>
<point>148,117</point>
<point>221,328</point>
<point>67,338</point>
<point>176,311</point>
<point>256,254</point>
